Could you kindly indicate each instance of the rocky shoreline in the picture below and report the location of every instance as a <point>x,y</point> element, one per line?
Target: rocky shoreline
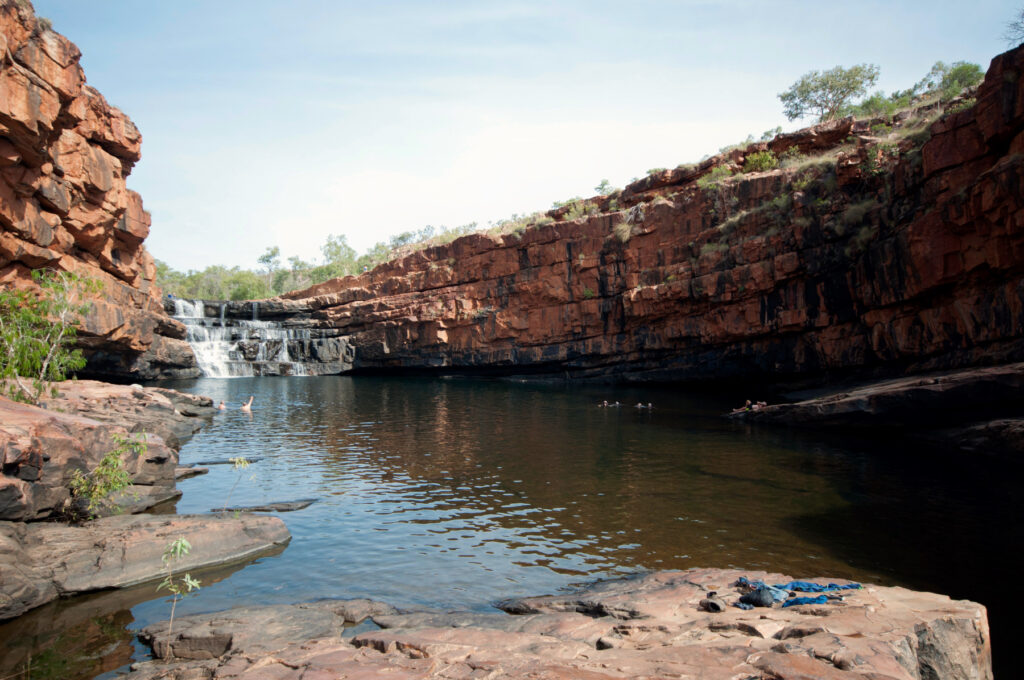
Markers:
<point>44,557</point>
<point>651,626</point>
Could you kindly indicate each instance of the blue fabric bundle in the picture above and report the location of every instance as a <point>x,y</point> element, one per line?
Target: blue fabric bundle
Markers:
<point>782,592</point>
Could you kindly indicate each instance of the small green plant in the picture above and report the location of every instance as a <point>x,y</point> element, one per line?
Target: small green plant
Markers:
<point>238,464</point>
<point>880,129</point>
<point>588,293</point>
<point>790,157</point>
<point>623,230</point>
<point>580,208</point>
<point>713,248</point>
<point>962,105</point>
<point>856,213</point>
<point>37,331</point>
<point>95,488</point>
<point>715,177</point>
<point>604,188</point>
<point>875,163</point>
<point>178,586</point>
<point>760,161</point>
<point>802,181</point>
<point>656,171</point>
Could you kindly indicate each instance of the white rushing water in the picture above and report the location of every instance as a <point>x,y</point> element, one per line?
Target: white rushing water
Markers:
<point>218,343</point>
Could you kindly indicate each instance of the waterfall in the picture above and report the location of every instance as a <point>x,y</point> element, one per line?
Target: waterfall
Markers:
<point>233,348</point>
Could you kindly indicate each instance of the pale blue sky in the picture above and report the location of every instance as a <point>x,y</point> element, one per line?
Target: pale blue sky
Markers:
<point>277,123</point>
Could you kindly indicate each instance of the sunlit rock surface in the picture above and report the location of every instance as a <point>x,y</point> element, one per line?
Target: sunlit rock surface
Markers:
<point>636,628</point>
<point>64,156</point>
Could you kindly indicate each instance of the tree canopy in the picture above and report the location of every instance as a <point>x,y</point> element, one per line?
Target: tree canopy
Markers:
<point>825,93</point>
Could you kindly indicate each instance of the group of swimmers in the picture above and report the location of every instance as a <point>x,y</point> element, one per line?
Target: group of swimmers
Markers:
<point>616,404</point>
<point>246,407</point>
<point>751,406</point>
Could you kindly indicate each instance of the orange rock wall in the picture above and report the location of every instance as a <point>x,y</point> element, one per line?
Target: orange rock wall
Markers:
<point>907,258</point>
<point>64,156</point>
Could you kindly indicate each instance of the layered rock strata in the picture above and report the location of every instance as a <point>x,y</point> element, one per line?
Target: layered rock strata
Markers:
<point>646,627</point>
<point>64,156</point>
<point>259,338</point>
<point>43,561</point>
<point>899,249</point>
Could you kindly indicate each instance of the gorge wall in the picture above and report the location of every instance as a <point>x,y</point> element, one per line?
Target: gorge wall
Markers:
<point>64,156</point>
<point>875,250</point>
<point>902,250</point>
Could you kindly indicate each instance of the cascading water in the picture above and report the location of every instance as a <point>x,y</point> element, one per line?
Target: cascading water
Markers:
<point>232,348</point>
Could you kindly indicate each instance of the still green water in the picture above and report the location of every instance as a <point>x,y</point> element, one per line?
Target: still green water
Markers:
<point>458,493</point>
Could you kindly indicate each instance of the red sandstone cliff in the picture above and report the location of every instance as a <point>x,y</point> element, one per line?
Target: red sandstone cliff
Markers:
<point>64,156</point>
<point>906,252</point>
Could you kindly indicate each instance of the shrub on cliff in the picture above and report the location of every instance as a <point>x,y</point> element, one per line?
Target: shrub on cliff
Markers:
<point>825,93</point>
<point>37,331</point>
<point>760,161</point>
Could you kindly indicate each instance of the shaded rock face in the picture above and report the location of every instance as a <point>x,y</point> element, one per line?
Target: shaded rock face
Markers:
<point>904,257</point>
<point>64,156</point>
<point>43,561</point>
<point>644,627</point>
<point>41,448</point>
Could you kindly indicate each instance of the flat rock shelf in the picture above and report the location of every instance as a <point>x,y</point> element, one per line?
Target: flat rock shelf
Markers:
<point>649,626</point>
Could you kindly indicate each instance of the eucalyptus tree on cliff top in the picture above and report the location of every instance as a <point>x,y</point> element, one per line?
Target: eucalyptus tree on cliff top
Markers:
<point>825,93</point>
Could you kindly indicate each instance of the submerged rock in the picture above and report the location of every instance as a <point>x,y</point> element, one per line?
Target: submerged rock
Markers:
<point>286,506</point>
<point>649,626</point>
<point>42,561</point>
<point>967,404</point>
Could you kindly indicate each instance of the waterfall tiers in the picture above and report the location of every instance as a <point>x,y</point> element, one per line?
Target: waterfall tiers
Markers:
<point>229,340</point>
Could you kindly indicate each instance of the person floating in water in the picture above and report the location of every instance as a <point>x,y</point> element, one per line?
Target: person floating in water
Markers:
<point>247,406</point>
<point>221,407</point>
<point>741,409</point>
<point>604,405</point>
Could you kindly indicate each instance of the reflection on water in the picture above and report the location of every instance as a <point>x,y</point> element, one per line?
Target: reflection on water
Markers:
<point>84,636</point>
<point>456,493</point>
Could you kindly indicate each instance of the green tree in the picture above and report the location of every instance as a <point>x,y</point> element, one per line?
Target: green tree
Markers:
<point>37,331</point>
<point>950,80</point>
<point>825,93</point>
<point>271,259</point>
<point>604,188</point>
<point>338,253</point>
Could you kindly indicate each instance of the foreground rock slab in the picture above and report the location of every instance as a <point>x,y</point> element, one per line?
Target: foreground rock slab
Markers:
<point>40,562</point>
<point>644,627</point>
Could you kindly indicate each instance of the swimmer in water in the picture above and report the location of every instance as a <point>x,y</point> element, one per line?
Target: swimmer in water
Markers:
<point>247,406</point>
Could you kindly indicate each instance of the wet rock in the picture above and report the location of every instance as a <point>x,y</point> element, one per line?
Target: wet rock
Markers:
<point>186,471</point>
<point>648,626</point>
<point>256,629</point>
<point>253,459</point>
<point>285,506</point>
<point>42,561</point>
<point>921,401</point>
